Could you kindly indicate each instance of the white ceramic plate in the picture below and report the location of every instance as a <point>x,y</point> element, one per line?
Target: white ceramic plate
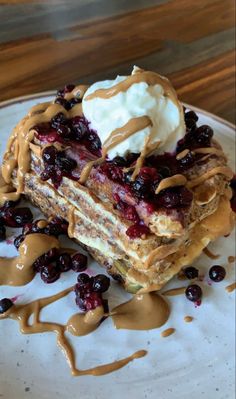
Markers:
<point>198,361</point>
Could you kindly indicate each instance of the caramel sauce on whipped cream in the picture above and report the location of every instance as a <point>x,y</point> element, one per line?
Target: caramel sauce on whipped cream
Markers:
<point>151,78</point>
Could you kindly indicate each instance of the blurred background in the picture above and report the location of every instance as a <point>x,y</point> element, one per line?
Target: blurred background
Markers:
<point>46,44</point>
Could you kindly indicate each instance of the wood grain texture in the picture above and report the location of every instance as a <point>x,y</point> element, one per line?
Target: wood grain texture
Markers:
<point>45,44</point>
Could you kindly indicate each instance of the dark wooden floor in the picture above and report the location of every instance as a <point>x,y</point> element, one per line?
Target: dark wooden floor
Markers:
<point>47,43</point>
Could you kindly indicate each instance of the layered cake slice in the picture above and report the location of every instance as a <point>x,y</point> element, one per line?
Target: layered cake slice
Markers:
<point>143,187</point>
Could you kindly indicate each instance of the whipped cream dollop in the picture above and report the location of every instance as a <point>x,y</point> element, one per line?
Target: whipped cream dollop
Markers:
<point>157,101</point>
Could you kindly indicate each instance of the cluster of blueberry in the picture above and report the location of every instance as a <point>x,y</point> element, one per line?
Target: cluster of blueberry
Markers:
<point>89,290</point>
<point>13,217</point>
<point>193,292</point>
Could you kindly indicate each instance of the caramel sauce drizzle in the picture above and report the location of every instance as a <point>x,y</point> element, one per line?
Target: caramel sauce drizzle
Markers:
<point>131,127</point>
<point>18,270</point>
<point>18,148</point>
<point>88,167</point>
<point>151,78</point>
<point>231,259</point>
<point>168,332</point>
<point>142,312</point>
<point>182,154</point>
<point>231,287</point>
<point>17,153</point>
<point>210,150</point>
<point>224,170</point>
<point>173,181</point>
<point>210,255</point>
<point>141,158</point>
<point>71,221</point>
<point>188,319</point>
<point>174,291</point>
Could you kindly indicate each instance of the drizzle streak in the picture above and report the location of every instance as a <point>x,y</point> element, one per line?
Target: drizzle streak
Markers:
<point>224,170</point>
<point>188,319</point>
<point>168,332</point>
<point>18,270</point>
<point>174,291</point>
<point>88,322</point>
<point>231,287</point>
<point>142,312</point>
<point>210,254</point>
<point>176,180</point>
<point>151,78</point>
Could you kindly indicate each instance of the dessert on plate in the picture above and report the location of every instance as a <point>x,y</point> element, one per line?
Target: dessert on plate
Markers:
<point>142,186</point>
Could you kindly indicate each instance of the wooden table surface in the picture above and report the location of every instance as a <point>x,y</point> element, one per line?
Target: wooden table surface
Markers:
<point>45,44</point>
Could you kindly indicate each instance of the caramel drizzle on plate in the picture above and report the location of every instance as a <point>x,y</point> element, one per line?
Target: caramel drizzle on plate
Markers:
<point>142,312</point>
<point>210,254</point>
<point>168,332</point>
<point>18,270</point>
<point>231,287</point>
<point>188,319</point>
<point>174,291</point>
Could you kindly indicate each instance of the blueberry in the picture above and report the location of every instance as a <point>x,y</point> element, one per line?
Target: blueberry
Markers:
<point>18,240</point>
<point>49,155</point>
<point>119,161</point>
<point>164,171</point>
<point>62,101</point>
<point>79,262</point>
<point>64,262</point>
<point>101,283</point>
<point>191,115</point>
<point>73,102</point>
<point>45,259</point>
<point>83,278</point>
<point>17,217</point>
<point>47,173</point>
<point>187,161</point>
<point>141,188</point>
<point>64,163</point>
<point>191,272</point>
<point>68,88</point>
<point>58,119</point>
<point>79,127</point>
<point>49,273</point>
<point>203,135</point>
<point>193,293</point>
<point>190,124</point>
<point>64,131</point>
<point>217,273</point>
<point>5,304</point>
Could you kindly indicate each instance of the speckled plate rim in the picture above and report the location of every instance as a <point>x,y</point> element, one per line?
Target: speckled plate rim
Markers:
<point>42,94</point>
